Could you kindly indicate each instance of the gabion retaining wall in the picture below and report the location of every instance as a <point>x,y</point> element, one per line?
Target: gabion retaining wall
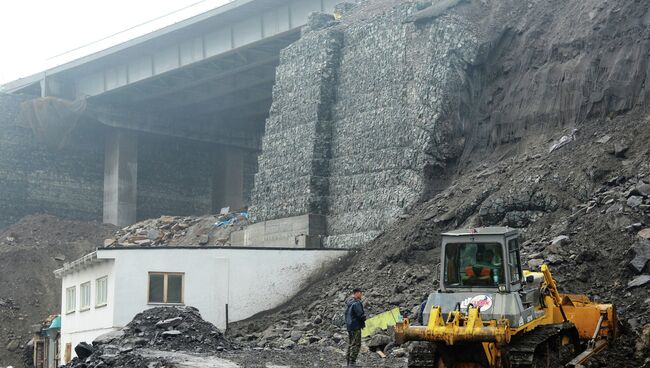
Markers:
<point>360,123</point>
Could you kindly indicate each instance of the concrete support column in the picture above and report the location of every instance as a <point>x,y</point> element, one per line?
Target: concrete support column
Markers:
<point>228,179</point>
<point>120,177</point>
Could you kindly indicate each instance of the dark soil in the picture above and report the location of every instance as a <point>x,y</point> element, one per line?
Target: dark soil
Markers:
<point>30,251</point>
<point>397,268</point>
<point>159,329</point>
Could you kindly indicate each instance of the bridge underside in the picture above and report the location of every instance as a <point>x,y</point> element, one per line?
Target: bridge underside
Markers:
<point>221,104</point>
<point>223,100</point>
<point>175,119</point>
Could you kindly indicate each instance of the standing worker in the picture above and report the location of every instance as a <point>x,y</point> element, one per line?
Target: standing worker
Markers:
<point>355,320</point>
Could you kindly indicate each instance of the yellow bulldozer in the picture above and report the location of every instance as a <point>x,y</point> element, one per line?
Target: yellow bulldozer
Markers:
<point>489,313</point>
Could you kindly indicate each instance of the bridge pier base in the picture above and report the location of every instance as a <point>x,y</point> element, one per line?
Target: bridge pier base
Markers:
<point>120,177</point>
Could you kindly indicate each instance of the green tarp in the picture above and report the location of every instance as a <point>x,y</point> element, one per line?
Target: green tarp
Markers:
<point>381,322</point>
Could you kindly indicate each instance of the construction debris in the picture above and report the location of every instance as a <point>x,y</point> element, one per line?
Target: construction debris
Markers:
<point>180,231</point>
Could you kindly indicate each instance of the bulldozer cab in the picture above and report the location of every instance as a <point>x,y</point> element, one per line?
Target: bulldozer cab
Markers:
<point>481,259</point>
<point>481,268</point>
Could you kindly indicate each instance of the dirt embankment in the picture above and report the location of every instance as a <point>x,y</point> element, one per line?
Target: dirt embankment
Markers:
<point>563,74</point>
<point>29,251</point>
<point>596,215</point>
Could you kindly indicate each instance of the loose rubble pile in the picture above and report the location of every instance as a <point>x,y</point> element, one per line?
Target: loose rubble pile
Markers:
<point>625,202</point>
<point>180,230</point>
<point>593,232</point>
<point>163,329</point>
<point>9,308</point>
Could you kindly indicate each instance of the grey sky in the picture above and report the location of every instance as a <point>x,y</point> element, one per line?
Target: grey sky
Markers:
<point>33,32</point>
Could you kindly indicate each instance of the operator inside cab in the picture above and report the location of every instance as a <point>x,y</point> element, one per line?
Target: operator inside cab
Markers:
<point>473,264</point>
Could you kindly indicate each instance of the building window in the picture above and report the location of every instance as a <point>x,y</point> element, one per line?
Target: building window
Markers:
<point>70,299</point>
<point>513,261</point>
<point>101,291</point>
<point>84,296</point>
<point>166,287</point>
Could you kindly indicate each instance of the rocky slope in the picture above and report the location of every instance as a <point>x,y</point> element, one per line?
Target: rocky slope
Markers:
<point>29,251</point>
<point>554,134</point>
<point>601,229</point>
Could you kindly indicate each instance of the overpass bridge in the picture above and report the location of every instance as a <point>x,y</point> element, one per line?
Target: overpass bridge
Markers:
<point>205,79</point>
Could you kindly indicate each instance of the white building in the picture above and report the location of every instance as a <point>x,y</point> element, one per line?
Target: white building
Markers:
<point>105,289</point>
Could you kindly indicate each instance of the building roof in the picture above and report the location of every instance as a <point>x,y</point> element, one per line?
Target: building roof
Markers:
<point>494,230</point>
<point>227,247</point>
<point>92,258</point>
<point>87,260</point>
<point>56,323</point>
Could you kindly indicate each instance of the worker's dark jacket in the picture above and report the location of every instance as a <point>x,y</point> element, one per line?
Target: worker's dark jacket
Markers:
<point>355,317</point>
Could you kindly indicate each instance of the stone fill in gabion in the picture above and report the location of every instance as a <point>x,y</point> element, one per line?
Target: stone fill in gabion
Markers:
<point>361,120</point>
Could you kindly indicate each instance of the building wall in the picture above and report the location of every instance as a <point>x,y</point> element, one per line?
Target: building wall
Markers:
<point>83,326</point>
<point>34,178</point>
<point>248,280</point>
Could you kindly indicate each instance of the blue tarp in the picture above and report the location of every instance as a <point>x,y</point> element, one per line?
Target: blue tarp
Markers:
<point>231,219</point>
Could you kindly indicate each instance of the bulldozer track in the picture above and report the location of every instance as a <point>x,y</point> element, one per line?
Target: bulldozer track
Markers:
<point>539,348</point>
<point>536,349</point>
